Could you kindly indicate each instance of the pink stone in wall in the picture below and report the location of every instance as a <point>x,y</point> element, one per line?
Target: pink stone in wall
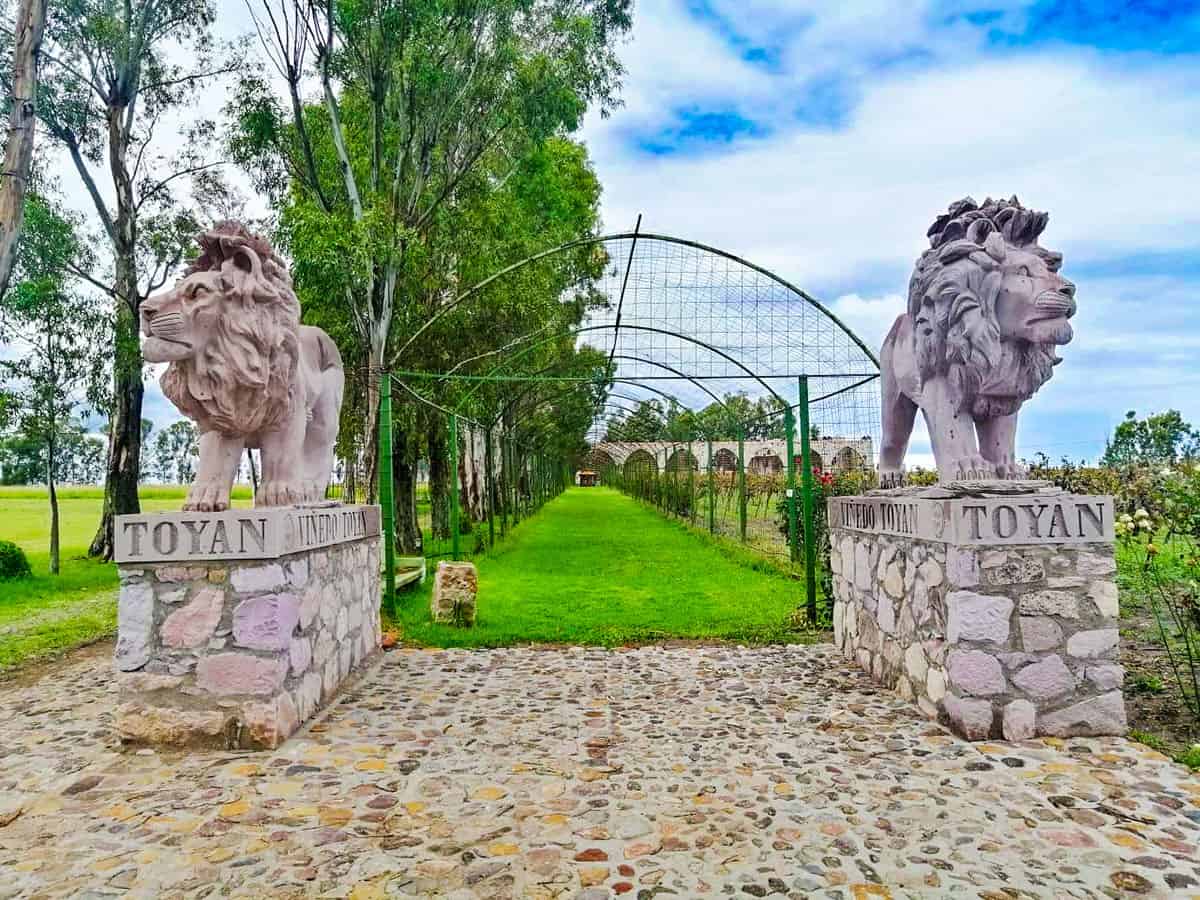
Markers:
<point>1040,633</point>
<point>976,673</point>
<point>269,724</point>
<point>1106,678</point>
<point>1020,720</point>
<point>192,625</point>
<point>1096,715</point>
<point>977,617</point>
<point>252,579</point>
<point>971,718</point>
<point>1093,644</point>
<point>266,623</point>
<point>1045,680</point>
<point>300,654</point>
<point>239,673</point>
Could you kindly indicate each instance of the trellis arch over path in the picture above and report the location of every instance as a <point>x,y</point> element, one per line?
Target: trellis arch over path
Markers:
<point>681,322</point>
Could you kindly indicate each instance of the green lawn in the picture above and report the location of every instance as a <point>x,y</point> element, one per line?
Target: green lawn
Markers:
<point>47,613</point>
<point>592,567</point>
<point>596,567</point>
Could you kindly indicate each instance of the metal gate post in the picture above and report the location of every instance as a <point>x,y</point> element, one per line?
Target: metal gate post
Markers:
<point>386,501</point>
<point>453,486</point>
<point>789,422</point>
<point>712,501</point>
<point>810,537</point>
<point>742,482</point>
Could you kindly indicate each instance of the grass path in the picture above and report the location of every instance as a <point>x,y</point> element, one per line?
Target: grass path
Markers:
<point>596,567</point>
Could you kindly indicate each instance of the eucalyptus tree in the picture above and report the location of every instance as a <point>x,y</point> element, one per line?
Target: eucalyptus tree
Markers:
<point>414,97</point>
<point>116,75</point>
<point>55,329</point>
<point>21,84</point>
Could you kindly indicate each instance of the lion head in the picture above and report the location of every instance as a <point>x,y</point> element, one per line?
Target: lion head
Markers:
<point>988,306</point>
<point>230,329</point>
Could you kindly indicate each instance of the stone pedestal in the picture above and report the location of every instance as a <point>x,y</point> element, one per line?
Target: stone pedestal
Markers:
<point>993,606</point>
<point>236,627</point>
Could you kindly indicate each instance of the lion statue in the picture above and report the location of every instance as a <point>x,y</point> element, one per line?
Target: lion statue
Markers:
<point>246,371</point>
<point>986,309</point>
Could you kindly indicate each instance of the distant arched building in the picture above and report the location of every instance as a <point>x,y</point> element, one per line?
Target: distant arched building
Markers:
<point>763,457</point>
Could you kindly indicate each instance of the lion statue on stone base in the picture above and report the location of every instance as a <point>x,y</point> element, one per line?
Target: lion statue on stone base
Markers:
<point>986,309</point>
<point>246,371</point>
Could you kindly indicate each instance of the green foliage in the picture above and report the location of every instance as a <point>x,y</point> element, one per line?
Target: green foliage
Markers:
<point>1159,439</point>
<point>761,419</point>
<point>59,330</point>
<point>78,459</point>
<point>920,477</point>
<point>1146,684</point>
<point>1173,592</point>
<point>1132,487</point>
<point>176,450</point>
<point>1190,757</point>
<point>646,423</point>
<point>1153,741</point>
<point>13,563</point>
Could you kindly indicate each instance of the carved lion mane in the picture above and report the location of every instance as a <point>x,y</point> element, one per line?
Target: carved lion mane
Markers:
<point>990,374</point>
<point>244,379</point>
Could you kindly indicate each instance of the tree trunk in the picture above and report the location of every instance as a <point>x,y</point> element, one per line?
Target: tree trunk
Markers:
<point>27,42</point>
<point>404,481</point>
<point>439,478</point>
<point>370,438</point>
<point>54,562</point>
<point>253,472</point>
<point>124,435</point>
<point>125,427</point>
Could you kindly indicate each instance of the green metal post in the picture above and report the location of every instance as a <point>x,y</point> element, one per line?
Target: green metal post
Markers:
<point>712,493</point>
<point>789,422</point>
<point>810,538</point>
<point>386,502</point>
<point>489,482</point>
<point>742,482</point>
<point>691,484</point>
<point>454,486</point>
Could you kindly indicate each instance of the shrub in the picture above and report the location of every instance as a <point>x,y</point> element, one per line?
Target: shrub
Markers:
<point>13,563</point>
<point>1173,591</point>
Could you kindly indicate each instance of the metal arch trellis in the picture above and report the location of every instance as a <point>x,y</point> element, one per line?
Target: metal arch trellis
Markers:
<point>684,312</point>
<point>644,237</point>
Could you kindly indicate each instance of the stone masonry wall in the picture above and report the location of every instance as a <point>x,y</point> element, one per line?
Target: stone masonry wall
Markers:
<point>1008,642</point>
<point>240,654</point>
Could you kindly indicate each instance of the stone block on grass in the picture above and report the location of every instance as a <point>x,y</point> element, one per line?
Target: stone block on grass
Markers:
<point>455,585</point>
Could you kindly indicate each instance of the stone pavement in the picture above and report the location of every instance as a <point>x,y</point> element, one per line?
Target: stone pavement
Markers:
<point>586,774</point>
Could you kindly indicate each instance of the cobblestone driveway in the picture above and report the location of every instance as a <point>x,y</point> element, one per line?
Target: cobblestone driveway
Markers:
<point>586,774</point>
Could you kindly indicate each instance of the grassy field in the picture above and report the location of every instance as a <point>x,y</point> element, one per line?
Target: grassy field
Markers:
<point>46,613</point>
<point>593,567</point>
<point>596,567</point>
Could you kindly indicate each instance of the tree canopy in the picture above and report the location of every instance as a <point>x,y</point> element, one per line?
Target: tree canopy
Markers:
<point>1162,438</point>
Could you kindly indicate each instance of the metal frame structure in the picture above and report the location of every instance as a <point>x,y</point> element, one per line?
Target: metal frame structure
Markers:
<point>690,314</point>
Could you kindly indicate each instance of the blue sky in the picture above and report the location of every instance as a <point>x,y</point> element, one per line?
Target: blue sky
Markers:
<point>821,139</point>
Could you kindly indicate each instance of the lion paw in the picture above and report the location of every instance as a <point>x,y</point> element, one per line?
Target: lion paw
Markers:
<point>891,478</point>
<point>1011,470</point>
<point>973,468</point>
<point>277,493</point>
<point>206,497</point>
